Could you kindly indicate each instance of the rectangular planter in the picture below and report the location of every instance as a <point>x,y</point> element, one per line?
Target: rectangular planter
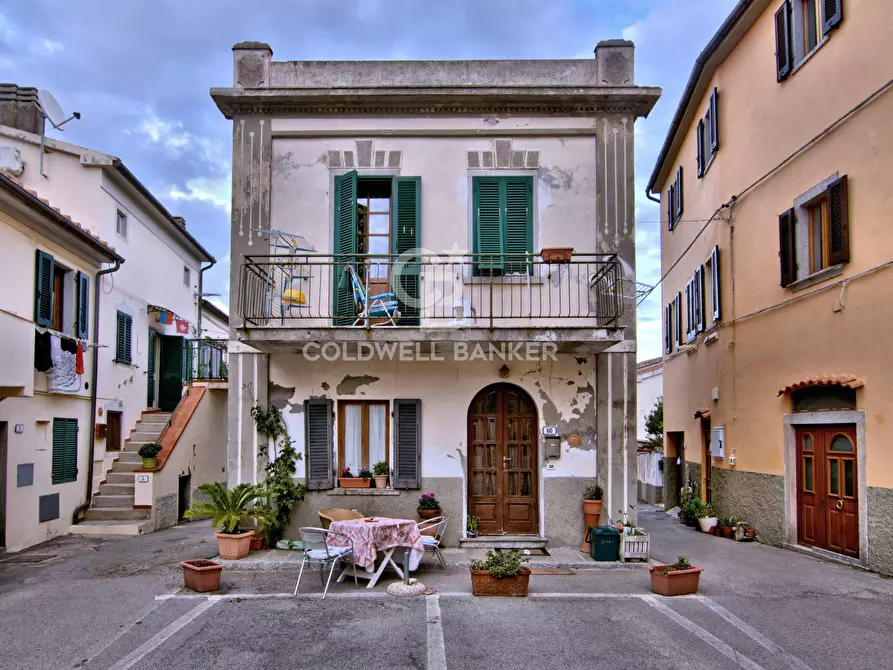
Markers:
<point>676,582</point>
<point>354,483</point>
<point>201,576</point>
<point>634,546</point>
<point>234,545</point>
<point>484,584</point>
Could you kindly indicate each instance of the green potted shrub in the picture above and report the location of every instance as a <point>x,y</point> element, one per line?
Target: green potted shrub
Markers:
<point>428,506</point>
<point>229,509</point>
<point>148,452</point>
<point>380,475</point>
<point>501,574</point>
<point>678,579</point>
<point>592,510</point>
<point>471,526</point>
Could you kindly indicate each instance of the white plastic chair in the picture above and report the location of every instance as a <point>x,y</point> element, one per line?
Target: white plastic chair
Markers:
<point>438,524</point>
<point>318,552</point>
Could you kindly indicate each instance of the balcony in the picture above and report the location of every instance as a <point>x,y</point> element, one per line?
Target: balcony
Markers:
<point>438,298</point>
<point>205,360</point>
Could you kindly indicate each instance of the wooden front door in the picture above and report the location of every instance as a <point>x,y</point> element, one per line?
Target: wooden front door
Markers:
<point>502,477</point>
<point>827,488</point>
<point>171,373</point>
<point>708,462</point>
<point>113,431</point>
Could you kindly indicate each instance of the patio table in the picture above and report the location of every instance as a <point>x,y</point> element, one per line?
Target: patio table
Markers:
<point>376,541</point>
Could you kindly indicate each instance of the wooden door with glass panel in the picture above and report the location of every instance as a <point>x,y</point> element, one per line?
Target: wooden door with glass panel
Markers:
<point>827,488</point>
<point>502,482</point>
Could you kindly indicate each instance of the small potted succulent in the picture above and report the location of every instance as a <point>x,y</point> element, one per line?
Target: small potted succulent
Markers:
<point>230,509</point>
<point>471,526</point>
<point>501,574</point>
<point>380,475</point>
<point>428,506</point>
<point>149,452</point>
<point>592,510</point>
<point>201,575</point>
<point>347,480</point>
<point>678,579</point>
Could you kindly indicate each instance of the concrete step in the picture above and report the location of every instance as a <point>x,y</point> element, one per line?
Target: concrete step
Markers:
<point>117,489</point>
<point>134,446</point>
<point>112,528</point>
<point>129,457</point>
<point>504,542</point>
<point>125,478</point>
<point>122,466</point>
<point>140,436</point>
<point>155,417</point>
<point>105,500</point>
<point>117,514</point>
<point>151,427</point>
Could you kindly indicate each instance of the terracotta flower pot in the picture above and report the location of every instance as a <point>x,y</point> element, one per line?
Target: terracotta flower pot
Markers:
<point>257,543</point>
<point>592,510</point>
<point>354,483</point>
<point>727,532</point>
<point>234,546</point>
<point>201,576</point>
<point>425,514</point>
<point>674,582</point>
<point>381,481</point>
<point>485,584</point>
<point>557,254</point>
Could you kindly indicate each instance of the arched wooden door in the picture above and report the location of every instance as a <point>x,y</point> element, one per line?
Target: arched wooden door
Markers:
<point>502,461</point>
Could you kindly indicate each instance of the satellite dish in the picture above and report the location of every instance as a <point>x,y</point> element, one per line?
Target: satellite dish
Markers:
<point>52,110</point>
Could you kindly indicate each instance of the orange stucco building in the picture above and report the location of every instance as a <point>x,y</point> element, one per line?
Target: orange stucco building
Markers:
<point>776,249</point>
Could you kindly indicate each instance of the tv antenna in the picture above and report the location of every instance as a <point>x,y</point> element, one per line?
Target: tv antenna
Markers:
<point>52,112</point>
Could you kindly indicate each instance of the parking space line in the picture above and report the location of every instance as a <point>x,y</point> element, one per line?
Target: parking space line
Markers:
<point>704,635</point>
<point>754,634</point>
<point>436,648</point>
<point>162,636</point>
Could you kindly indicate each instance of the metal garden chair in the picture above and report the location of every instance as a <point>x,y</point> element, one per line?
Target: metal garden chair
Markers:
<point>438,525</point>
<point>379,306</point>
<point>318,552</point>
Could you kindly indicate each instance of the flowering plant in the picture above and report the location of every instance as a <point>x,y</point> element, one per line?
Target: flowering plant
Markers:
<point>364,473</point>
<point>346,473</point>
<point>428,501</point>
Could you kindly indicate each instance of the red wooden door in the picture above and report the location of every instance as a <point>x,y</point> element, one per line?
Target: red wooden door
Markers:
<point>502,483</point>
<point>827,488</point>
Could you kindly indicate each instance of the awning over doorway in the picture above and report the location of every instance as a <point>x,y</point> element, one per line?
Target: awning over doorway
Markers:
<point>848,381</point>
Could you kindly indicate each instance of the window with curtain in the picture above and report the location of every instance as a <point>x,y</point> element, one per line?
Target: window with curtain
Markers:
<point>362,434</point>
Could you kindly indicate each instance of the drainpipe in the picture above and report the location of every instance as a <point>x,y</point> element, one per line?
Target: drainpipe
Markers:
<point>97,292</point>
<point>201,272</point>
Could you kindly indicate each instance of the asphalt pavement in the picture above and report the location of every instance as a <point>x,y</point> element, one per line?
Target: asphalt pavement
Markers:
<point>86,602</point>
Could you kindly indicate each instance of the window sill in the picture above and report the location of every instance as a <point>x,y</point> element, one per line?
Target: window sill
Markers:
<point>707,167</point>
<point>363,492</point>
<point>808,56</point>
<point>817,277</point>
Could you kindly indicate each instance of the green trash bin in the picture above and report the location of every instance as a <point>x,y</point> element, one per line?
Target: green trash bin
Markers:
<point>604,543</point>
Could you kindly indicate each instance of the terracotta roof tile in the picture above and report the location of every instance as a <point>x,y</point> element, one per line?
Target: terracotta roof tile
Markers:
<point>823,380</point>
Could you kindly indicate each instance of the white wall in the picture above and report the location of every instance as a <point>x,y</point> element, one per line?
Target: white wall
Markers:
<point>649,387</point>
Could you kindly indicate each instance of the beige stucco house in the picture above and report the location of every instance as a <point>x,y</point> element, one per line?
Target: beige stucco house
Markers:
<point>484,373</point>
<point>774,183</point>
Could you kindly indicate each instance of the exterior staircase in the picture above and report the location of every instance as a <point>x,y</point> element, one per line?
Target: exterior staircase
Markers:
<point>111,510</point>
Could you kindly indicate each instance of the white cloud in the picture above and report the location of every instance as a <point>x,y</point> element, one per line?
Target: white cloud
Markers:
<point>44,46</point>
<point>169,134</point>
<point>217,192</point>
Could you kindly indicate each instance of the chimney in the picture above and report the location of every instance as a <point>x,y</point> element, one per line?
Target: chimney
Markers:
<point>180,221</point>
<point>20,109</point>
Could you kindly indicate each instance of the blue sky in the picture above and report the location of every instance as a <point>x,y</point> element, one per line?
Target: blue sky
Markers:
<point>139,72</point>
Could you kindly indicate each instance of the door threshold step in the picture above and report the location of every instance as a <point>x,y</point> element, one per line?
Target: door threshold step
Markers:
<point>114,527</point>
<point>504,542</point>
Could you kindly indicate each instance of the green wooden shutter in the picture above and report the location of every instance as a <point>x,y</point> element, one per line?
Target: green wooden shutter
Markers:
<point>787,248</point>
<point>406,223</point>
<point>714,269</point>
<point>407,444</point>
<point>123,338</point>
<point>839,222</point>
<point>784,56</point>
<point>82,316</point>
<point>518,222</point>
<point>344,307</point>
<point>318,440</point>
<point>43,289</point>
<point>65,451</point>
<point>150,373</point>
<point>488,232</point>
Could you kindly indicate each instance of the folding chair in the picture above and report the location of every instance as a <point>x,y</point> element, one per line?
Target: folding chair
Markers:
<point>380,306</point>
<point>318,552</point>
<point>438,525</point>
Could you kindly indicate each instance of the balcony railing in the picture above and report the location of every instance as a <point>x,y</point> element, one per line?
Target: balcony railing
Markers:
<point>205,360</point>
<point>473,291</point>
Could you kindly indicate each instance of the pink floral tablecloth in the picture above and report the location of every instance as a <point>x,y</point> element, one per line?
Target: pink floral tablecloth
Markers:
<point>380,535</point>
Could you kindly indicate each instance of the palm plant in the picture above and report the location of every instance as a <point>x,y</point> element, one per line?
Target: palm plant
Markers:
<point>228,508</point>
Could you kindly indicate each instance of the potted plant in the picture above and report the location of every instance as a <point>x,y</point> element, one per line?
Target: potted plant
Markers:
<point>744,532</point>
<point>707,520</point>
<point>727,526</point>
<point>428,506</point>
<point>592,510</point>
<point>265,521</point>
<point>148,452</point>
<point>471,526</point>
<point>501,574</point>
<point>229,509</point>
<point>347,480</point>
<point>201,575</point>
<point>678,579</point>
<point>380,475</point>
<point>627,526</point>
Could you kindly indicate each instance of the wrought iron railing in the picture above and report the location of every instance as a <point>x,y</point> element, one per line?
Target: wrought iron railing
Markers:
<point>468,290</point>
<point>205,360</point>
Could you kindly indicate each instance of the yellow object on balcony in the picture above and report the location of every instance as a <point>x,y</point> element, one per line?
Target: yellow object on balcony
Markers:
<point>294,297</point>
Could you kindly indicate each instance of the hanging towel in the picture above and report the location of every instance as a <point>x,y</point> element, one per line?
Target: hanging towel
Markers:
<point>70,345</point>
<point>63,378</point>
<point>42,361</point>
<point>79,360</point>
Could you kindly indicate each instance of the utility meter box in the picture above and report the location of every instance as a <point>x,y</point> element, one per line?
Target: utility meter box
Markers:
<point>718,442</point>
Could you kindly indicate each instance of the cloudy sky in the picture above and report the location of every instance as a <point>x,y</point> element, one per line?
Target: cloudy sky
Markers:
<point>139,72</point>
